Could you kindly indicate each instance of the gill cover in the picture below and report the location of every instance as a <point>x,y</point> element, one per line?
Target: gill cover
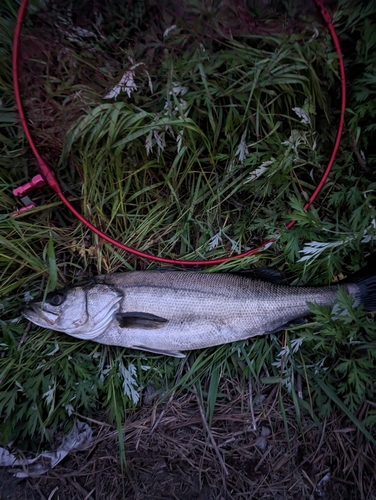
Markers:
<point>83,312</point>
<point>102,303</point>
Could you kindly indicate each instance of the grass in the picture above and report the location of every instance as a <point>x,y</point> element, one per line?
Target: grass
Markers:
<point>218,145</point>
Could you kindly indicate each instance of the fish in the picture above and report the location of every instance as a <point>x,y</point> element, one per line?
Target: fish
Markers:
<point>168,311</point>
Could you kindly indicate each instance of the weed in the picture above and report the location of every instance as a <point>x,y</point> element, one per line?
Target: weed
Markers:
<point>186,145</point>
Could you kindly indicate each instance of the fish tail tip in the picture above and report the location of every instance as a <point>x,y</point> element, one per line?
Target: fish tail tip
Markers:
<point>365,279</point>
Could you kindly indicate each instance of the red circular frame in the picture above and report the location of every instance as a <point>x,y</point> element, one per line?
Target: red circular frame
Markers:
<point>51,180</point>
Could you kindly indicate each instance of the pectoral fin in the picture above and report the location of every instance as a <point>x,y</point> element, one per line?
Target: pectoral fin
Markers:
<point>175,354</point>
<point>140,320</point>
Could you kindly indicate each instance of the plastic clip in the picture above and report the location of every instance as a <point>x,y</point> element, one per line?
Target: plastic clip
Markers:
<point>21,192</point>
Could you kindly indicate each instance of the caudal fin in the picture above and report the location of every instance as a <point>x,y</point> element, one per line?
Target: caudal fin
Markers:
<point>365,279</point>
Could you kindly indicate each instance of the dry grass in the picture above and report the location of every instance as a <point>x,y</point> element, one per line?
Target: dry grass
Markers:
<point>169,455</point>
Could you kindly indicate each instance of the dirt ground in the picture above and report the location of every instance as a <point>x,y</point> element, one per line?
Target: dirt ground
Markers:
<point>172,454</point>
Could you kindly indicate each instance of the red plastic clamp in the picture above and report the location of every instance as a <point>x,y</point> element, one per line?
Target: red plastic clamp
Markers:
<point>36,182</point>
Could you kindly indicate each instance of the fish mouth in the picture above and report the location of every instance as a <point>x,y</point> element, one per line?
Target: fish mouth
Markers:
<point>39,316</point>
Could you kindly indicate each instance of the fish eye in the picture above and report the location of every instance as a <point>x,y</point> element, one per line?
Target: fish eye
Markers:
<point>56,298</point>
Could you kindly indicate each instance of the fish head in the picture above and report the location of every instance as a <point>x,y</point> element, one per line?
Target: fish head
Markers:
<point>83,312</point>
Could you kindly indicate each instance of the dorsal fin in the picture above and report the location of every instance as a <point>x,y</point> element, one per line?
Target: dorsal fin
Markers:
<point>263,273</point>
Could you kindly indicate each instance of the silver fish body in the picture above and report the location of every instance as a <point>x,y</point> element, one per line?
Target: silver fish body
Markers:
<point>172,311</point>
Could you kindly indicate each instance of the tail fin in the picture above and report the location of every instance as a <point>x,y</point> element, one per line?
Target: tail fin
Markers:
<point>365,278</point>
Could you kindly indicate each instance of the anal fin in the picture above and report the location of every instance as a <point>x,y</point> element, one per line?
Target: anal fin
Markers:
<point>286,326</point>
<point>174,354</point>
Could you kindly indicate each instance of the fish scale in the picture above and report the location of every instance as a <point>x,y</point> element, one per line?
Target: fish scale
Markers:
<point>167,312</point>
<point>205,310</point>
